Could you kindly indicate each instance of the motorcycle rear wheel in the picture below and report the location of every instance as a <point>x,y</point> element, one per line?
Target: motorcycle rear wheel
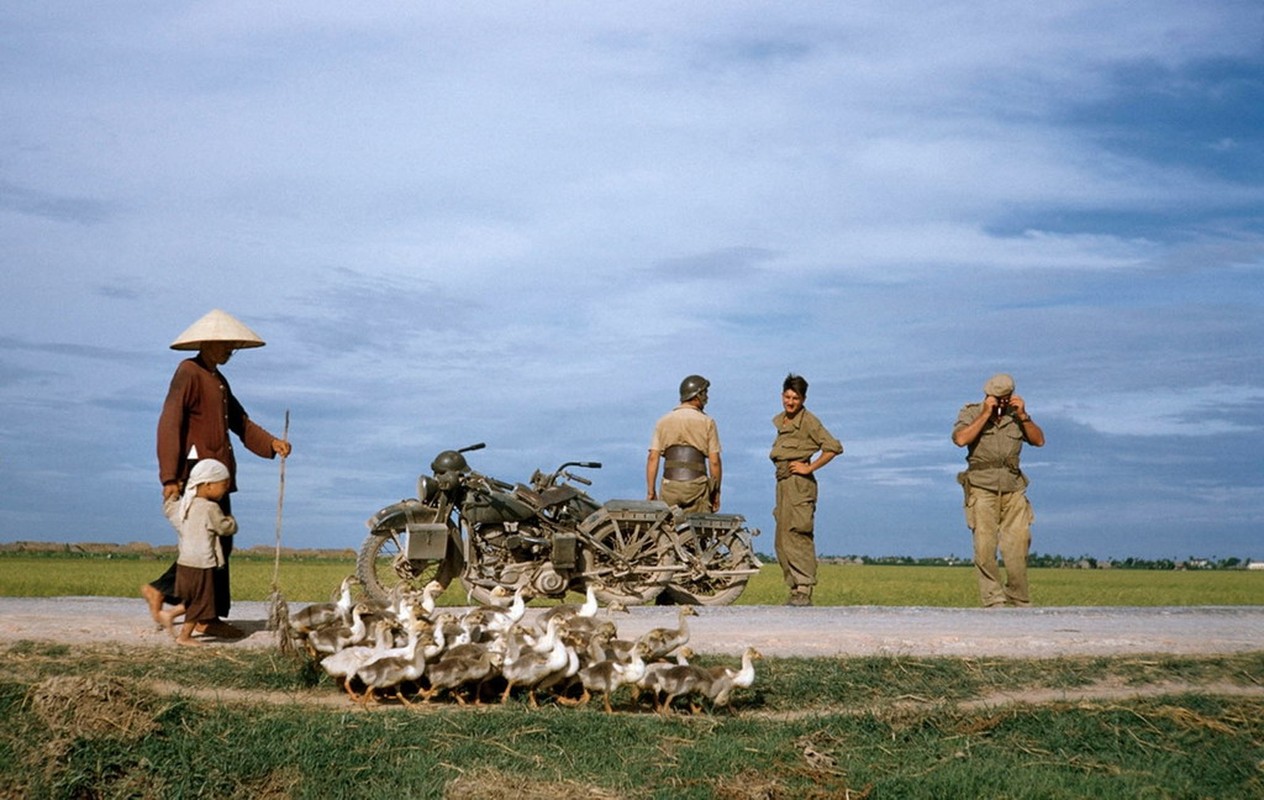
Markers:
<point>638,547</point>
<point>382,566</point>
<point>727,551</point>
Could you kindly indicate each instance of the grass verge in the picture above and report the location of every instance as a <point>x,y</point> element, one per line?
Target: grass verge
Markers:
<point>106,722</point>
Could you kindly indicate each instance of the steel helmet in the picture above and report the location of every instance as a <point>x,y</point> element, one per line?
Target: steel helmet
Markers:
<point>693,386</point>
<point>449,461</point>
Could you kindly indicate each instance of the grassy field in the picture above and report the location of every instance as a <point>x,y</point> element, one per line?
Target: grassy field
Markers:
<point>116,721</point>
<point>310,580</point>
<point>145,723</point>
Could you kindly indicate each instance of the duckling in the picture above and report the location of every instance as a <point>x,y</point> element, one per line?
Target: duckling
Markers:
<point>608,676</point>
<point>650,678</point>
<point>661,641</point>
<point>585,624</point>
<point>558,682</point>
<point>437,635</point>
<point>318,615</point>
<point>343,664</point>
<point>724,679</point>
<point>429,594</point>
<point>492,618</point>
<point>474,665</point>
<point>331,638</point>
<point>583,641</point>
<point>393,672</point>
<point>676,681</point>
<point>566,610</point>
<point>529,667</point>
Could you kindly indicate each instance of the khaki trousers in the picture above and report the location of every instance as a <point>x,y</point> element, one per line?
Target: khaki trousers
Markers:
<point>1000,520</point>
<point>693,496</point>
<point>796,519</point>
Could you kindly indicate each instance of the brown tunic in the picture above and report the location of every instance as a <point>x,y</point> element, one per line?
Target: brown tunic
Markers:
<point>198,413</point>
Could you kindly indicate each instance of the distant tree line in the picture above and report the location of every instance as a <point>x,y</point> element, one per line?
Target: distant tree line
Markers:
<point>1040,560</point>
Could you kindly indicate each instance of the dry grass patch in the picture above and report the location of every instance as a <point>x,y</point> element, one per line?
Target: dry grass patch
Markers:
<point>496,783</point>
<point>75,707</point>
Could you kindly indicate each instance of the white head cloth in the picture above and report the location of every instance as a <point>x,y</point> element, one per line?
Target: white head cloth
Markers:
<point>208,470</point>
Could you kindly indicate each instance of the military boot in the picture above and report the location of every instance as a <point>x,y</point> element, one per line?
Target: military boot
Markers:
<point>800,596</point>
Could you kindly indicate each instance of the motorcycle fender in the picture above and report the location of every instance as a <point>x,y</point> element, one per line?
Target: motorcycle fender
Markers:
<point>424,540</point>
<point>398,516</point>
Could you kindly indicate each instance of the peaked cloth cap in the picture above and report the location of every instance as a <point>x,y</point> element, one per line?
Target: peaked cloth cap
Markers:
<point>217,326</point>
<point>999,385</point>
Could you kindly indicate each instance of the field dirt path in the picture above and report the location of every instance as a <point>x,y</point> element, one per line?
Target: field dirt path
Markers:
<point>774,630</point>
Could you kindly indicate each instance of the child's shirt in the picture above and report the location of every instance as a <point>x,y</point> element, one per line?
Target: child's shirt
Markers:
<point>200,531</point>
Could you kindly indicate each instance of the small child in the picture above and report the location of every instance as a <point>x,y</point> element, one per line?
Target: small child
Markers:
<point>200,521</point>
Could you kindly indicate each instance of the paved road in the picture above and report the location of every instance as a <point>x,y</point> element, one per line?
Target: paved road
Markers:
<point>775,630</point>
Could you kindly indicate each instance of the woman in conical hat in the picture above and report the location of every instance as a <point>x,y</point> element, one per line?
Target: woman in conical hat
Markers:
<point>197,416</point>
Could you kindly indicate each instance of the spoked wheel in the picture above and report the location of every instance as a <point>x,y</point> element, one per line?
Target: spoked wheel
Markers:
<point>628,558</point>
<point>711,556</point>
<point>382,565</point>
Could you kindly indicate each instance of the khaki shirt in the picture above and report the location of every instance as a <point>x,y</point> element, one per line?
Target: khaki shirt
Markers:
<point>799,437</point>
<point>992,459</point>
<point>685,424</point>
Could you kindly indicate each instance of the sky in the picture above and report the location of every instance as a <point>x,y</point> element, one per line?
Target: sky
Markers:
<point>524,224</point>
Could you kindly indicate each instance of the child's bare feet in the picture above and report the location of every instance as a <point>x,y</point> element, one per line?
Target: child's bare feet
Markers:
<point>167,620</point>
<point>153,599</point>
<point>189,641</point>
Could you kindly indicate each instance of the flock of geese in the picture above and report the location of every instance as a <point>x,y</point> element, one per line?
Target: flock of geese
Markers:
<point>410,647</point>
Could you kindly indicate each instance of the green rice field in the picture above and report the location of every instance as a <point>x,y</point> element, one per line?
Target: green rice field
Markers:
<point>310,580</point>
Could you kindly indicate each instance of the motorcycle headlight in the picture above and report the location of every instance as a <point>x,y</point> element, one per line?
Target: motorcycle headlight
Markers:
<point>427,488</point>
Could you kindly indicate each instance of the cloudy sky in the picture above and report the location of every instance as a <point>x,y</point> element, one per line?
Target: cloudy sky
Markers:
<point>524,223</point>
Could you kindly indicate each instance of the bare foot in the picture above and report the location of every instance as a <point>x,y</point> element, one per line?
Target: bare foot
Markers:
<point>153,599</point>
<point>189,642</point>
<point>167,620</point>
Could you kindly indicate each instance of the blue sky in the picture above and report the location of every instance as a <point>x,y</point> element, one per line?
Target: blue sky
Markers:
<point>457,223</point>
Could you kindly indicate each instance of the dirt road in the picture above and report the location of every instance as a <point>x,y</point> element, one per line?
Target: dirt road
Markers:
<point>775,630</point>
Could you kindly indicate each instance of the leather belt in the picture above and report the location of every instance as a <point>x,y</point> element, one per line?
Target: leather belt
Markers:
<point>684,463</point>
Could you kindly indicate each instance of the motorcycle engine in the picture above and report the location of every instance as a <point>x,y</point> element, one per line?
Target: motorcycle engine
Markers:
<point>513,554</point>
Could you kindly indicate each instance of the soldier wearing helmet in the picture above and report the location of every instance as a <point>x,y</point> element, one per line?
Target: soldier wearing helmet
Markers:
<point>687,439</point>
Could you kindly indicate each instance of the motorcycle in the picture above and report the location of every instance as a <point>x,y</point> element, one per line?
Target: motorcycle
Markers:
<point>549,537</point>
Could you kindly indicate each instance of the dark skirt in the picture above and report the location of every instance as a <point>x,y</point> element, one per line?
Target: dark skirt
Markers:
<point>197,587</point>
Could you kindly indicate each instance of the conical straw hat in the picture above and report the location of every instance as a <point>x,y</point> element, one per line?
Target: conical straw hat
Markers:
<point>217,326</point>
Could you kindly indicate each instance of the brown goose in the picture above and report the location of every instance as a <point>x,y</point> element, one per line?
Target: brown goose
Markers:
<point>661,641</point>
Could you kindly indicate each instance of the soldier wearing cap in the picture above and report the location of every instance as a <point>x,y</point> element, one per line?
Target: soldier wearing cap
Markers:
<point>800,436</point>
<point>996,505</point>
<point>687,439</point>
<point>197,416</point>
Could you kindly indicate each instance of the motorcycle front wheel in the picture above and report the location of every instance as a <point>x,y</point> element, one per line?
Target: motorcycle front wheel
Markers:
<point>382,566</point>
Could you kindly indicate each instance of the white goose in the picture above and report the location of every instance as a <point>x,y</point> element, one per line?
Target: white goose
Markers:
<point>724,679</point>
<point>318,615</point>
<point>607,676</point>
<point>331,638</point>
<point>529,667</point>
<point>342,664</point>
